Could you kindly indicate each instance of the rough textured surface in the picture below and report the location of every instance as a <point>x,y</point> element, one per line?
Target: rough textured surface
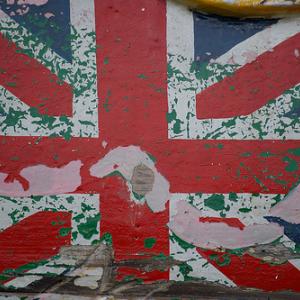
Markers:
<point>142,180</point>
<point>148,151</point>
<point>91,258</point>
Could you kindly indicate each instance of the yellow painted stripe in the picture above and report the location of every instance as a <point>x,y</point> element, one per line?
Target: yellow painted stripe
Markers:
<point>247,8</point>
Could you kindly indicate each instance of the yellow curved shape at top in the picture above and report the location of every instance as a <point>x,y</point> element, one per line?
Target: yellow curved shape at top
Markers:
<point>247,8</point>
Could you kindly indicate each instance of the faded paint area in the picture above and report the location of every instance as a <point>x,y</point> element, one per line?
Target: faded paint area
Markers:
<point>142,180</point>
<point>289,208</point>
<point>125,160</point>
<point>88,277</point>
<point>43,180</point>
<point>211,235</point>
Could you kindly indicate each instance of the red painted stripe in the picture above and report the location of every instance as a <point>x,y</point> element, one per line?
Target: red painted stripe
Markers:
<point>133,83</point>
<point>126,274</point>
<point>32,83</point>
<point>232,222</point>
<point>189,166</point>
<point>32,239</point>
<point>130,225</point>
<point>254,85</point>
<point>248,271</point>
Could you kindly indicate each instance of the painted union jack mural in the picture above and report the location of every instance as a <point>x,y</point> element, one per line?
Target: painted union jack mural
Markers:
<point>162,132</point>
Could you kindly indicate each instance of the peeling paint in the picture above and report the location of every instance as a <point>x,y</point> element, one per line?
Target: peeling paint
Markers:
<point>125,160</point>
<point>289,208</point>
<point>186,225</point>
<point>43,180</point>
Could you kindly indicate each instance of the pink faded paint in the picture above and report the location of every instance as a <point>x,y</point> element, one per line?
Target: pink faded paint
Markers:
<point>187,226</point>
<point>289,208</point>
<point>48,15</point>
<point>44,180</point>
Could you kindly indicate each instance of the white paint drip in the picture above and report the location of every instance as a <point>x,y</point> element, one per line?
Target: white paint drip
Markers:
<point>124,160</point>
<point>44,180</point>
<point>185,224</point>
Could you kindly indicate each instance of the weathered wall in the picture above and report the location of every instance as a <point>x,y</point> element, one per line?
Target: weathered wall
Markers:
<point>167,137</point>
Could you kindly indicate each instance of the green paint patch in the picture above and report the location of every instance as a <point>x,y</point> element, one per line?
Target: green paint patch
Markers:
<point>233,197</point>
<point>11,84</point>
<point>246,154</point>
<point>276,199</point>
<point>152,157</point>
<point>149,243</point>
<point>89,228</point>
<point>138,196</point>
<point>295,151</point>
<point>24,268</point>
<point>245,210</point>
<point>292,164</point>
<point>237,252</point>
<point>106,60</point>
<point>65,231</point>
<point>115,173</point>
<point>221,260</point>
<point>142,76</point>
<point>107,238</point>
<point>215,202</point>
<point>106,104</point>
<point>266,154</point>
<point>131,278</point>
<point>183,244</point>
<point>85,207</point>
<point>13,119</point>
<point>185,269</point>
<point>172,118</point>
<point>78,217</point>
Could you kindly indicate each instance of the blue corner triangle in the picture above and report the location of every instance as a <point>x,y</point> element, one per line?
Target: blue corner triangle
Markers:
<point>292,231</point>
<point>50,22</point>
<point>214,36</point>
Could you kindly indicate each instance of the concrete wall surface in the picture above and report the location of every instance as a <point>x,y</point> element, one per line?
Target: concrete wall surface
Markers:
<point>148,150</point>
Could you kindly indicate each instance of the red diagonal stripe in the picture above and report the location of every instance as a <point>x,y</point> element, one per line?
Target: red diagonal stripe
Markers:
<point>34,238</point>
<point>254,85</point>
<point>251,272</point>
<point>32,83</point>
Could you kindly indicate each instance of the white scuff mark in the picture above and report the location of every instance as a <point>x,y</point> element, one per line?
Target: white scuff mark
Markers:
<point>124,160</point>
<point>22,281</point>
<point>44,180</point>
<point>87,281</point>
<point>32,2</point>
<point>296,52</point>
<point>104,144</point>
<point>49,15</point>
<point>42,270</point>
<point>86,271</point>
<point>89,276</point>
<point>186,225</point>
<point>289,208</point>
